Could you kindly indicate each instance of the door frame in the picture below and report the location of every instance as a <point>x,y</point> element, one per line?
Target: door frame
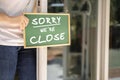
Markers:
<point>41,61</point>
<point>103,40</point>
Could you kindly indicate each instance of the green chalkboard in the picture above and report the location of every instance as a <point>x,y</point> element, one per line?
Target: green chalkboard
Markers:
<point>47,29</point>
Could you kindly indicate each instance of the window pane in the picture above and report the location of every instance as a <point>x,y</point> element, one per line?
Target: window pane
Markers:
<point>114,50</point>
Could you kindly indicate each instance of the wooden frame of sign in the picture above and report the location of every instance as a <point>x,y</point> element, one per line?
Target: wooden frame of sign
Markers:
<point>47,29</point>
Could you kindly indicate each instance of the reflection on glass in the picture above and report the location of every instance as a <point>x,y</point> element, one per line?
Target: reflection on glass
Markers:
<point>55,67</point>
<point>55,6</point>
<point>114,50</point>
<point>55,54</point>
<point>77,11</point>
<point>75,49</point>
<point>76,33</point>
<point>74,63</point>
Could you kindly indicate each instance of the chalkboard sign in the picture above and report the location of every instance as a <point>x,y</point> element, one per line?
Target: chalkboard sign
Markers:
<point>47,29</point>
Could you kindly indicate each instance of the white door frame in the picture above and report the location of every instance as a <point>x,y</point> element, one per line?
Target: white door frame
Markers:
<point>42,52</point>
<point>103,40</point>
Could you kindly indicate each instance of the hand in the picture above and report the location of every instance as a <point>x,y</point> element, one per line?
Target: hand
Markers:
<point>22,21</point>
<point>18,21</point>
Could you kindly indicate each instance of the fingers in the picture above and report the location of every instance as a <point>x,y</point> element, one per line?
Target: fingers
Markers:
<point>24,22</point>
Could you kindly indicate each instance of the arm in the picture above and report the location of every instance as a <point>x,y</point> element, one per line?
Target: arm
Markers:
<point>21,20</point>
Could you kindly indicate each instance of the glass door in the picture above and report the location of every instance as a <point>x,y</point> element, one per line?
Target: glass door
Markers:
<point>114,45</point>
<point>55,67</point>
<point>83,52</point>
<point>87,56</point>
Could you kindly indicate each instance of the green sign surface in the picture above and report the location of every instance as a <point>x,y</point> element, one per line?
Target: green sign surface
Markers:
<point>47,29</point>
